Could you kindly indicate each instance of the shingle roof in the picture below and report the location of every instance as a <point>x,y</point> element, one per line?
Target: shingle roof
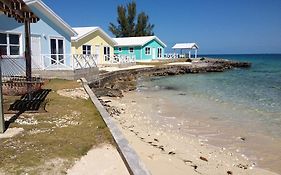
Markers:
<point>85,31</point>
<point>42,7</point>
<point>185,46</point>
<point>137,41</point>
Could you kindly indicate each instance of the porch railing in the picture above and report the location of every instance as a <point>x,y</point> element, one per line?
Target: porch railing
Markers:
<point>80,61</point>
<point>56,61</point>
<point>84,61</point>
<point>67,61</point>
<point>120,59</point>
<point>172,55</point>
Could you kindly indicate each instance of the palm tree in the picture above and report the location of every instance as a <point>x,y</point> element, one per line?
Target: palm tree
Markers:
<point>126,22</point>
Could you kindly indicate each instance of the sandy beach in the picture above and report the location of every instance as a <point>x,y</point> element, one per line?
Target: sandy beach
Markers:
<point>165,151</point>
<point>102,160</point>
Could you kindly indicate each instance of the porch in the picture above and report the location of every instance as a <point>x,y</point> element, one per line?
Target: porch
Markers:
<point>186,46</point>
<point>48,62</point>
<point>66,66</point>
<point>74,67</point>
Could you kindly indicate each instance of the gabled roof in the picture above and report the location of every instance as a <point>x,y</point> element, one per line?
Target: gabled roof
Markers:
<point>137,41</point>
<point>85,31</point>
<point>42,7</point>
<point>185,46</point>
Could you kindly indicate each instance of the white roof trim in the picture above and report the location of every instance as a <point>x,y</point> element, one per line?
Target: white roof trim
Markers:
<point>52,15</point>
<point>137,41</point>
<point>87,31</point>
<point>185,46</point>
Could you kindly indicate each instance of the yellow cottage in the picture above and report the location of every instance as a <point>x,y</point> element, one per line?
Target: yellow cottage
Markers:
<point>93,41</point>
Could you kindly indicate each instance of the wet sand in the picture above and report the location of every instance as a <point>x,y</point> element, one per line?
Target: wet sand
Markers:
<point>166,148</point>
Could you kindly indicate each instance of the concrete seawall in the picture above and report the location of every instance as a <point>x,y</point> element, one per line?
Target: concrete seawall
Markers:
<point>132,161</point>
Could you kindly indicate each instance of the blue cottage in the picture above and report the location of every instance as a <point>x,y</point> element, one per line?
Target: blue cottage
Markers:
<point>50,38</point>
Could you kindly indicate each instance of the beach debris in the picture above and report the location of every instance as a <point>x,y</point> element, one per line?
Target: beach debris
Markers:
<point>182,94</point>
<point>151,156</point>
<point>161,147</point>
<point>203,158</point>
<point>107,92</point>
<point>113,111</point>
<point>187,161</point>
<point>131,126</point>
<point>194,166</point>
<point>242,138</point>
<point>171,153</point>
<point>229,172</point>
<point>242,166</point>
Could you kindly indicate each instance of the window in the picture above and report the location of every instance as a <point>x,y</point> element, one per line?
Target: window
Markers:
<point>159,53</point>
<point>131,50</point>
<point>106,52</point>
<point>9,44</point>
<point>87,49</point>
<point>147,51</point>
<point>57,51</point>
<point>120,49</point>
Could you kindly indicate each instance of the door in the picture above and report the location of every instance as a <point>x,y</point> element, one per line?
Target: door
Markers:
<point>57,51</point>
<point>153,53</point>
<point>159,52</point>
<point>36,59</point>
<point>97,54</point>
<point>106,53</point>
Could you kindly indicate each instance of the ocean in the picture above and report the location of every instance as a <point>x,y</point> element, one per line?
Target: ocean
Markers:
<point>239,109</point>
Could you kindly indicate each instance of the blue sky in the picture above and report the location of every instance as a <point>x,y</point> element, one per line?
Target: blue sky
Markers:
<point>218,26</point>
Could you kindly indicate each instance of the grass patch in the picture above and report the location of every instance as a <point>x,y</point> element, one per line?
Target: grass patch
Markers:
<point>67,131</point>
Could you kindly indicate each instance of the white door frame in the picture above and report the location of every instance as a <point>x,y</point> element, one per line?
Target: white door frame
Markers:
<point>153,53</point>
<point>159,54</point>
<point>57,49</point>
<point>97,52</point>
<point>37,59</point>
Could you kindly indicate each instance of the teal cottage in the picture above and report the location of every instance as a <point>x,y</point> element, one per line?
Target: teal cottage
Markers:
<point>144,48</point>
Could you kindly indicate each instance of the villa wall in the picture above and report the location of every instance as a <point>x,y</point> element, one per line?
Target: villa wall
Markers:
<point>93,39</point>
<point>125,51</point>
<point>47,28</point>
<point>152,44</point>
<point>44,29</point>
<point>139,51</point>
<point>89,73</point>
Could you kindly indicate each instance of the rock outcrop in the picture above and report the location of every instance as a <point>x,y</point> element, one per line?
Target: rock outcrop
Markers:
<point>113,84</point>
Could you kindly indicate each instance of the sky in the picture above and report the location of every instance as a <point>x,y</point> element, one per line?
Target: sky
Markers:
<point>217,26</point>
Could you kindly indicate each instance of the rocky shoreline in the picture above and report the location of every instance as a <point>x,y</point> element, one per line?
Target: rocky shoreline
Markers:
<point>113,84</point>
<point>161,146</point>
<point>165,150</point>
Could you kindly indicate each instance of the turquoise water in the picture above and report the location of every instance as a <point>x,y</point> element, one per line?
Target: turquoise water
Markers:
<point>257,88</point>
<point>239,102</point>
